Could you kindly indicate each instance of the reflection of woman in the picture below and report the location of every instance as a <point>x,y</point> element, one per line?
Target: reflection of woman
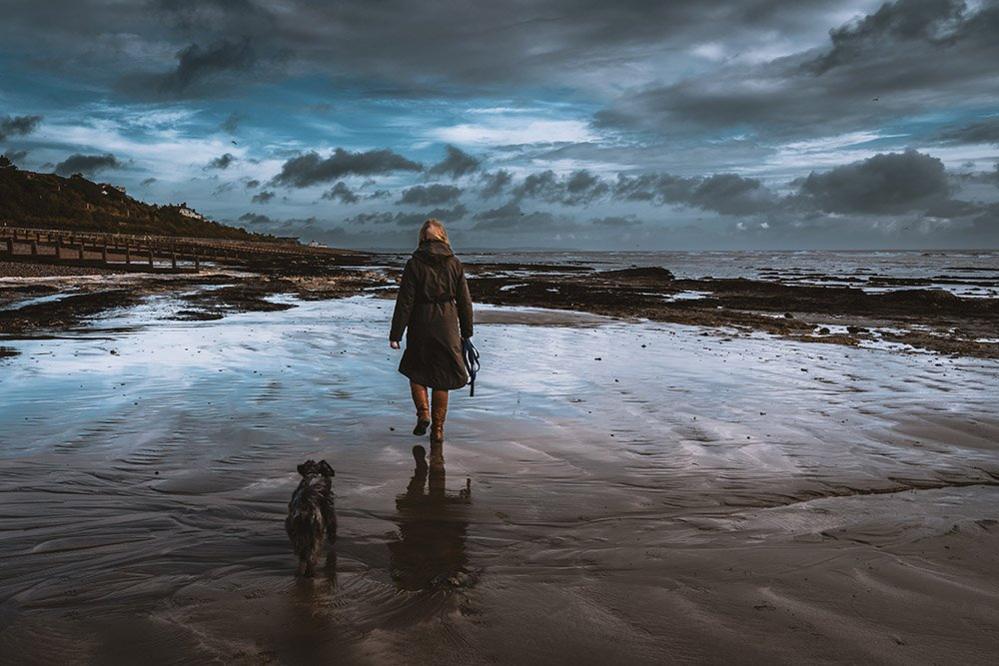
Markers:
<point>430,550</point>
<point>435,310</point>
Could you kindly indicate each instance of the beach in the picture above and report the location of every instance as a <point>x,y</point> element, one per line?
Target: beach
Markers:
<point>641,491</point>
<point>732,270</point>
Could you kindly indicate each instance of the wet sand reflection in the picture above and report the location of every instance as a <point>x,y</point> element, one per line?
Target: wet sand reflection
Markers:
<point>428,552</point>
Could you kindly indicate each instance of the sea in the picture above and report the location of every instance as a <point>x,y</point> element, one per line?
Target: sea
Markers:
<point>967,273</point>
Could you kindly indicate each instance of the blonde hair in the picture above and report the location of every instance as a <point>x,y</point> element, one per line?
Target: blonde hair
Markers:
<point>433,230</point>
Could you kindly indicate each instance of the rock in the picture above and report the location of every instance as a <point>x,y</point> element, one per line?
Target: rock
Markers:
<point>643,273</point>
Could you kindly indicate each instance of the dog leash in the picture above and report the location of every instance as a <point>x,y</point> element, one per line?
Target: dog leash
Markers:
<point>471,357</point>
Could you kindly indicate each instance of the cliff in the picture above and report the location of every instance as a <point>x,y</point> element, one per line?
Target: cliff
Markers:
<point>48,201</point>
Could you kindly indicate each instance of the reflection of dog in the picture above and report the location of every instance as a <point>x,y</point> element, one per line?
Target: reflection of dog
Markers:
<point>311,516</point>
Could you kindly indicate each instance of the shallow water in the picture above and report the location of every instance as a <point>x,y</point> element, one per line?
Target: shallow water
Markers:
<point>639,492</point>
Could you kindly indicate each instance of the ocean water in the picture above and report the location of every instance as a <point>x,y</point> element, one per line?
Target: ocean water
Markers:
<point>758,263</point>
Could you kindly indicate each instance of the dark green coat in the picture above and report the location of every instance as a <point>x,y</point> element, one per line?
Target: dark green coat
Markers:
<point>435,309</point>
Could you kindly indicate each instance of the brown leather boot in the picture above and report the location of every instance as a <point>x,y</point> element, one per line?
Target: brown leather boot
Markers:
<point>422,404</point>
<point>437,431</point>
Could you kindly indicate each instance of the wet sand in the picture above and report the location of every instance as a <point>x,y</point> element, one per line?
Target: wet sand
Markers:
<point>641,492</point>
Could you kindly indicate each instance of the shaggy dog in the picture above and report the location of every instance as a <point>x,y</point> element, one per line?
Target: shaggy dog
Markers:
<point>311,517</point>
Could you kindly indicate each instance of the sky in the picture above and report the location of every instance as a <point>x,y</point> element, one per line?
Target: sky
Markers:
<point>563,124</point>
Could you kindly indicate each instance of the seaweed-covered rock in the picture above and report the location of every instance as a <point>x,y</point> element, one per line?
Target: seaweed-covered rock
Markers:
<point>657,273</point>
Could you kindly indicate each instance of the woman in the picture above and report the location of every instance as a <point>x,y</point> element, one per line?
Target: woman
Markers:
<point>435,309</point>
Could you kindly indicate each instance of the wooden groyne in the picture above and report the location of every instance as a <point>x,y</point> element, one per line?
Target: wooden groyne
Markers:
<point>145,253</point>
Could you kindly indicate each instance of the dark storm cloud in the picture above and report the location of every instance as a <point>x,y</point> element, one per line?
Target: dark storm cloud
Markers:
<point>195,13</point>
<point>262,197</point>
<point>456,163</point>
<point>414,220</point>
<point>912,54</point>
<point>340,192</point>
<point>371,218</point>
<point>196,63</point>
<point>885,184</point>
<point>198,72</point>
<point>256,218</point>
<point>252,184</point>
<point>993,176</point>
<point>495,183</point>
<point>221,162</point>
<point>510,216</point>
<point>936,22</point>
<point>982,131</point>
<point>577,188</point>
<point>16,156</point>
<point>390,47</point>
<point>223,189</point>
<point>615,221</point>
<point>231,123</point>
<point>543,185</point>
<point>87,164</point>
<point>447,215</point>
<point>18,125</point>
<point>909,54</point>
<point>731,194</point>
<point>430,195</point>
<point>481,45</point>
<point>724,193</point>
<point>147,182</point>
<point>508,210</point>
<point>583,186</point>
<point>310,168</point>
